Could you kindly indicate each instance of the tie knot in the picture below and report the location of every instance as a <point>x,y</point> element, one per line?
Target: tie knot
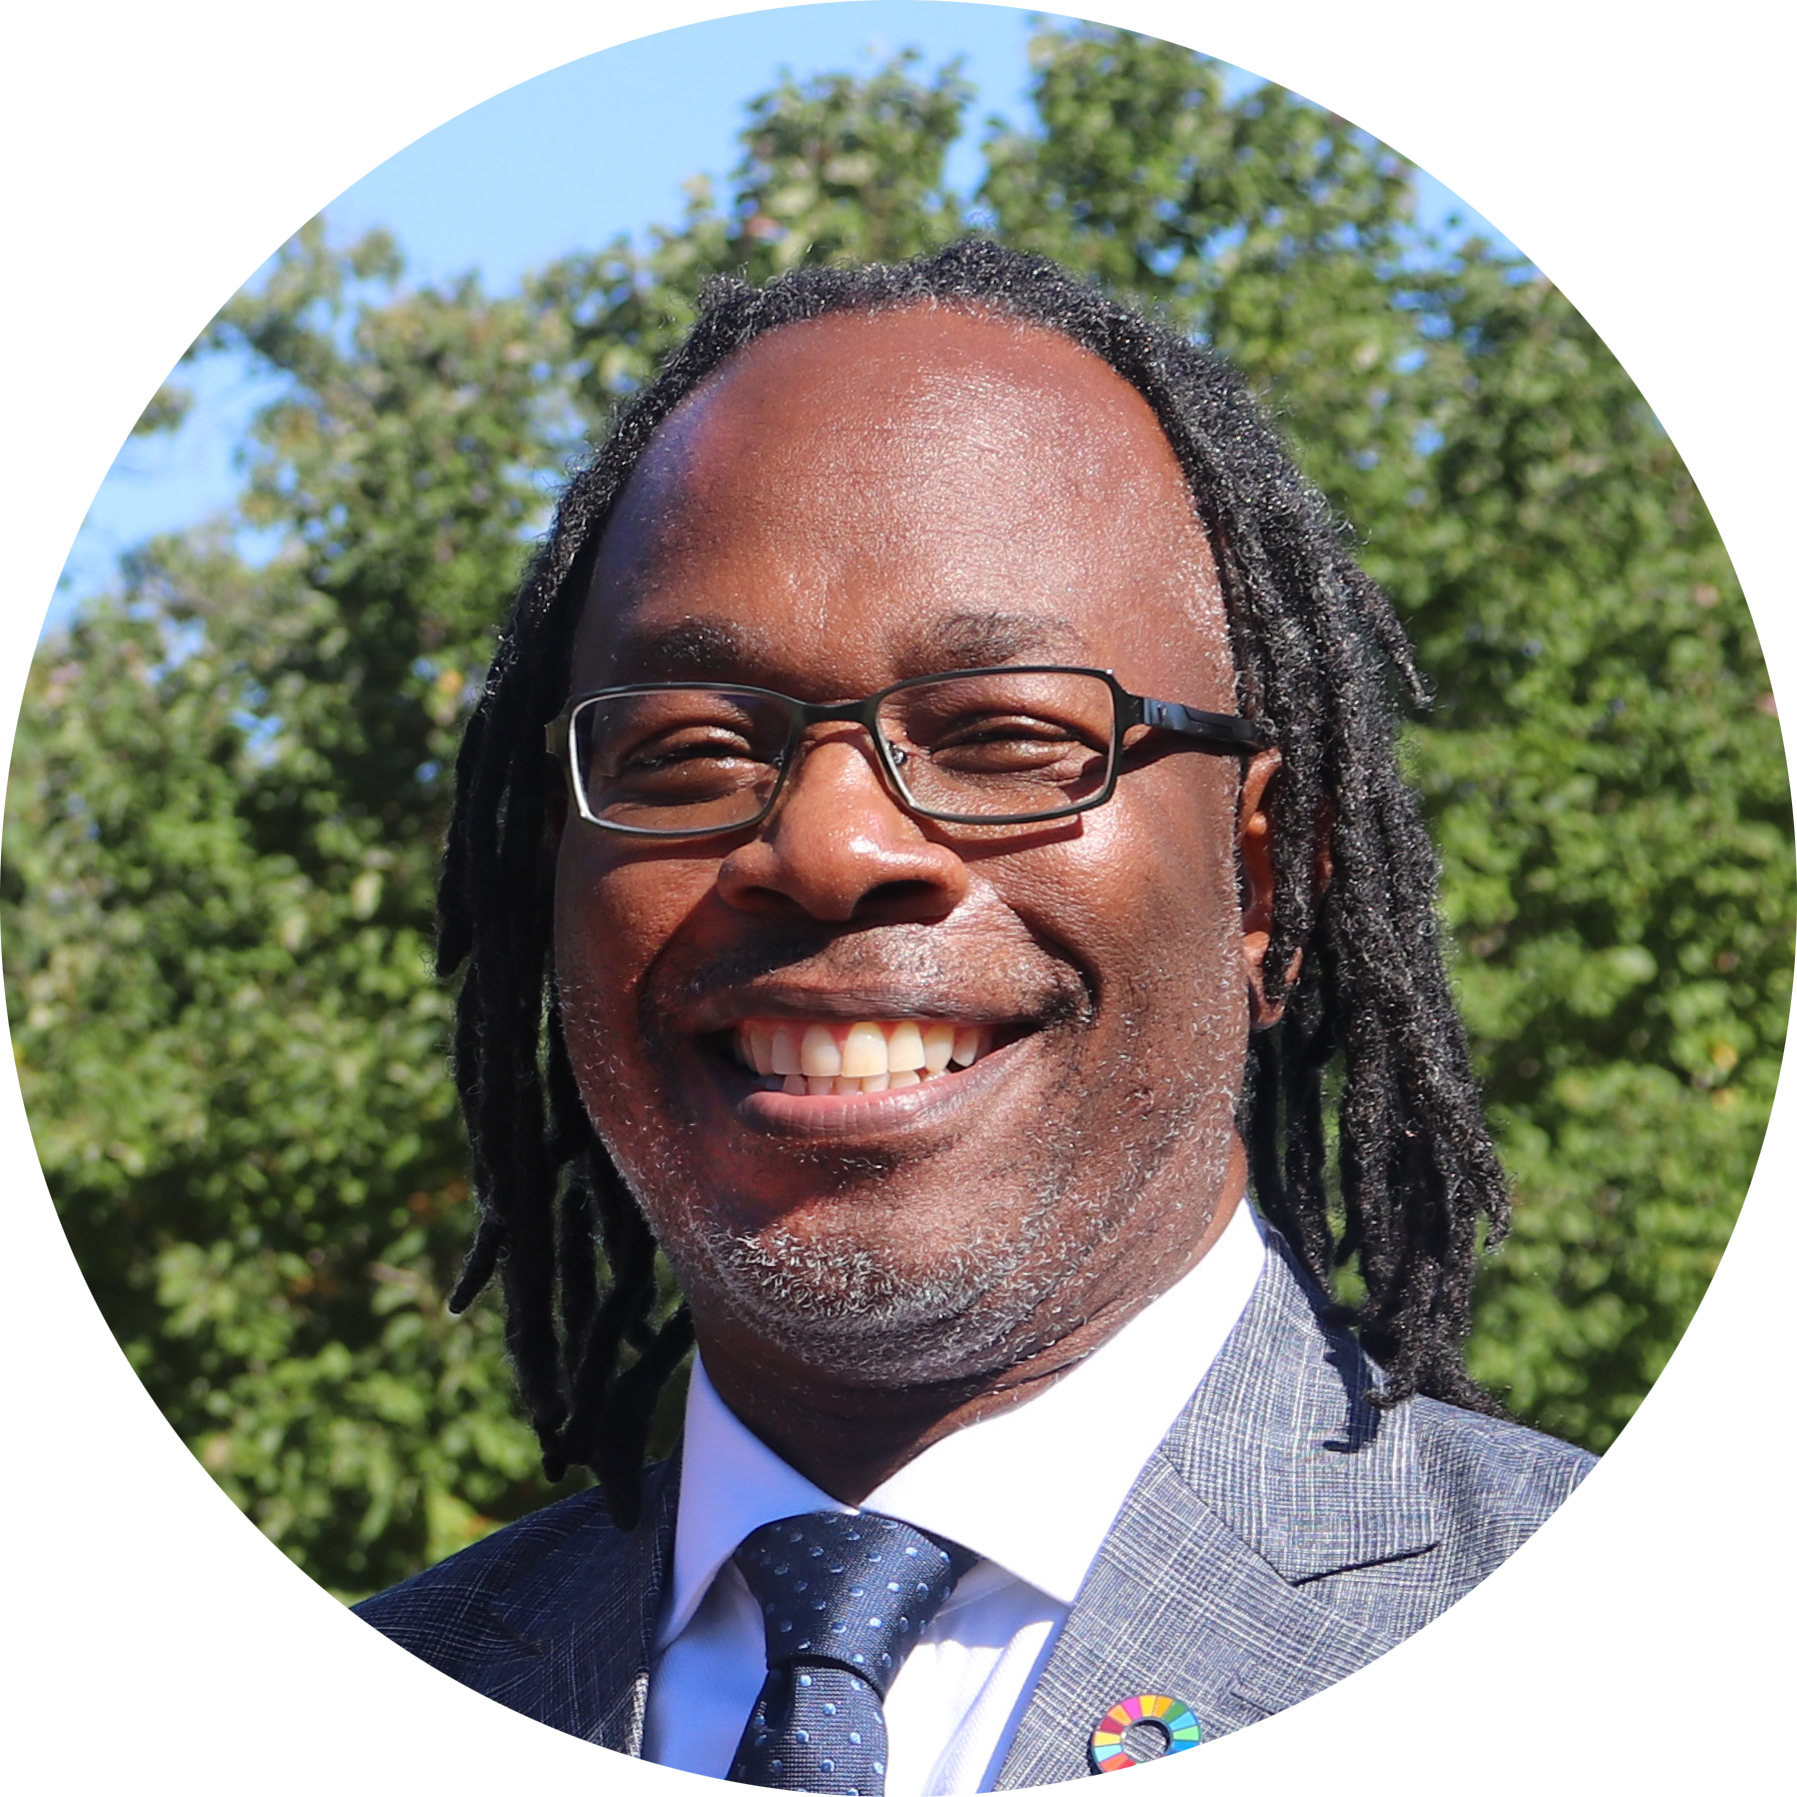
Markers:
<point>851,1591</point>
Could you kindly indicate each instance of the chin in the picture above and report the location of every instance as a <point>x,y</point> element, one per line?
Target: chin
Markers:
<point>861,1312</point>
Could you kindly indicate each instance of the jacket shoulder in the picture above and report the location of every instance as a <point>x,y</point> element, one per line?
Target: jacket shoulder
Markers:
<point>1493,1482</point>
<point>553,1616</point>
<point>1476,1488</point>
<point>451,1613</point>
<point>1384,1514</point>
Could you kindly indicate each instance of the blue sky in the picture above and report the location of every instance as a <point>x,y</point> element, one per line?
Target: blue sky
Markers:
<point>564,162</point>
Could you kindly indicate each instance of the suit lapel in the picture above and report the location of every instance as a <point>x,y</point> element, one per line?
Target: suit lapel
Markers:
<point>1278,1472</point>
<point>585,1625</point>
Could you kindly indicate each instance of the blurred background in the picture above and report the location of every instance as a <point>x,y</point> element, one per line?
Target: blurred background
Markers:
<point>229,786</point>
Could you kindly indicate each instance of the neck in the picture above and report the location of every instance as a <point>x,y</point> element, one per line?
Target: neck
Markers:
<point>848,1438</point>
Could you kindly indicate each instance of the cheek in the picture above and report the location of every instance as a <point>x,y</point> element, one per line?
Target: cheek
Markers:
<point>1146,898</point>
<point>612,919</point>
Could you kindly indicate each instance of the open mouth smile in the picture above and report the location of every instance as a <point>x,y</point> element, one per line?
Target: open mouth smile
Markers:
<point>843,1059</point>
<point>842,1075</point>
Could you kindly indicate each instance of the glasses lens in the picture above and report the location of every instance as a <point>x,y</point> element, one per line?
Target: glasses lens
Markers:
<point>679,759</point>
<point>1005,744</point>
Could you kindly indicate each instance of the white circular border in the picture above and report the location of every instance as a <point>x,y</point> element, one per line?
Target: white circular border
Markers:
<point>155,155</point>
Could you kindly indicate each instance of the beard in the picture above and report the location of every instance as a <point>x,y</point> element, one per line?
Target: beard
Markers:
<point>872,1313</point>
<point>878,1308</point>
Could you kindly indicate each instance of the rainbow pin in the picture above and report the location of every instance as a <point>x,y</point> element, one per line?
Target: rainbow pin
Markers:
<point>1173,1718</point>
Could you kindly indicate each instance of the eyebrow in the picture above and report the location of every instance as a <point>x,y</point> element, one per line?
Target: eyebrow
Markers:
<point>713,648</point>
<point>704,648</point>
<point>984,639</point>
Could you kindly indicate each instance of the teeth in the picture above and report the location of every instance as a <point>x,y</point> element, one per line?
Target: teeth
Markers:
<point>817,1058</point>
<point>863,1052</point>
<point>820,1054</point>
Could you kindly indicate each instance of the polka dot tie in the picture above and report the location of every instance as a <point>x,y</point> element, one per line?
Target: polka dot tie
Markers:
<point>843,1600</point>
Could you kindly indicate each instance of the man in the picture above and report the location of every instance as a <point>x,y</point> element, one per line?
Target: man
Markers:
<point>970,851</point>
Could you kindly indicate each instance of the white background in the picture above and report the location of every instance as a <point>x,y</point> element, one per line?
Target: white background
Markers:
<point>154,155</point>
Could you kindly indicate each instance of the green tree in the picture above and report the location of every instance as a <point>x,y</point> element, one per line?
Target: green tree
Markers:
<point>219,872</point>
<point>229,786</point>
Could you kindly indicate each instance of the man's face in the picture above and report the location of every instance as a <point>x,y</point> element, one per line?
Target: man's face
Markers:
<point>847,503</point>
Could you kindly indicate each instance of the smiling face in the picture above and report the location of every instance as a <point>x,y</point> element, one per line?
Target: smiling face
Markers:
<point>847,503</point>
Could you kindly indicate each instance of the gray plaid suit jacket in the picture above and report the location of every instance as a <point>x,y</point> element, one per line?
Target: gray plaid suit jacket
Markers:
<point>1285,1533</point>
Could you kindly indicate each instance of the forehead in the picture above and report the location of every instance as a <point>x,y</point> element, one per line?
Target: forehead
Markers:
<point>862,497</point>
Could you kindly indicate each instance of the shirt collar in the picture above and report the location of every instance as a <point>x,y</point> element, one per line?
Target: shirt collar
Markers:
<point>1084,1438</point>
<point>731,1483</point>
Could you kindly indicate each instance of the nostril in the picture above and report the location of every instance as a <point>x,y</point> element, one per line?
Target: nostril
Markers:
<point>903,895</point>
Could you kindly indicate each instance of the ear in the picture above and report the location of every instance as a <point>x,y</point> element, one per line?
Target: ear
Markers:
<point>1254,855</point>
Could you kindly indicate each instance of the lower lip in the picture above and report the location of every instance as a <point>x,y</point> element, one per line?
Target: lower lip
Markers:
<point>876,1113</point>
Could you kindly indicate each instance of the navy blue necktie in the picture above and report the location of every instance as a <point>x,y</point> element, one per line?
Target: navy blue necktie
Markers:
<point>843,1600</point>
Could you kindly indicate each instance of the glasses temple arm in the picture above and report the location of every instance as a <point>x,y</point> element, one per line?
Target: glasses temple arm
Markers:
<point>1188,720</point>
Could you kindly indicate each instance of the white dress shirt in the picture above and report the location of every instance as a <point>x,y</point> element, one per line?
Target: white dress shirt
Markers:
<point>1033,1490</point>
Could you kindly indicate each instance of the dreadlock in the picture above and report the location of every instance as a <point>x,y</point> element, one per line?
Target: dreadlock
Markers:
<point>1369,1026</point>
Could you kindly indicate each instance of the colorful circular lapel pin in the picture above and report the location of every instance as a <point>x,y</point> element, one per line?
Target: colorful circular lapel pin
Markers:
<point>1167,1715</point>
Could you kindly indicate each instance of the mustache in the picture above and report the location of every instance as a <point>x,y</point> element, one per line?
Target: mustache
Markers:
<point>1016,977</point>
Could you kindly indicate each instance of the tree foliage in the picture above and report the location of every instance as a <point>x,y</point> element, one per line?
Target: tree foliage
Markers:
<point>229,787</point>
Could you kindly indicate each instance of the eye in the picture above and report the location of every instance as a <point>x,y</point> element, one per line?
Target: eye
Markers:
<point>1003,742</point>
<point>1004,726</point>
<point>668,748</point>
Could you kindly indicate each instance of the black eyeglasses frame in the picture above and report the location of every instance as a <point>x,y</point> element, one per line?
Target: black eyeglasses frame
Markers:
<point>1216,731</point>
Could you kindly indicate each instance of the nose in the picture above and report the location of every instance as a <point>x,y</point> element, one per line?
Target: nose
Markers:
<point>840,848</point>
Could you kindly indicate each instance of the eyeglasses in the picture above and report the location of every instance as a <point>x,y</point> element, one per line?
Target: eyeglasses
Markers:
<point>987,746</point>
